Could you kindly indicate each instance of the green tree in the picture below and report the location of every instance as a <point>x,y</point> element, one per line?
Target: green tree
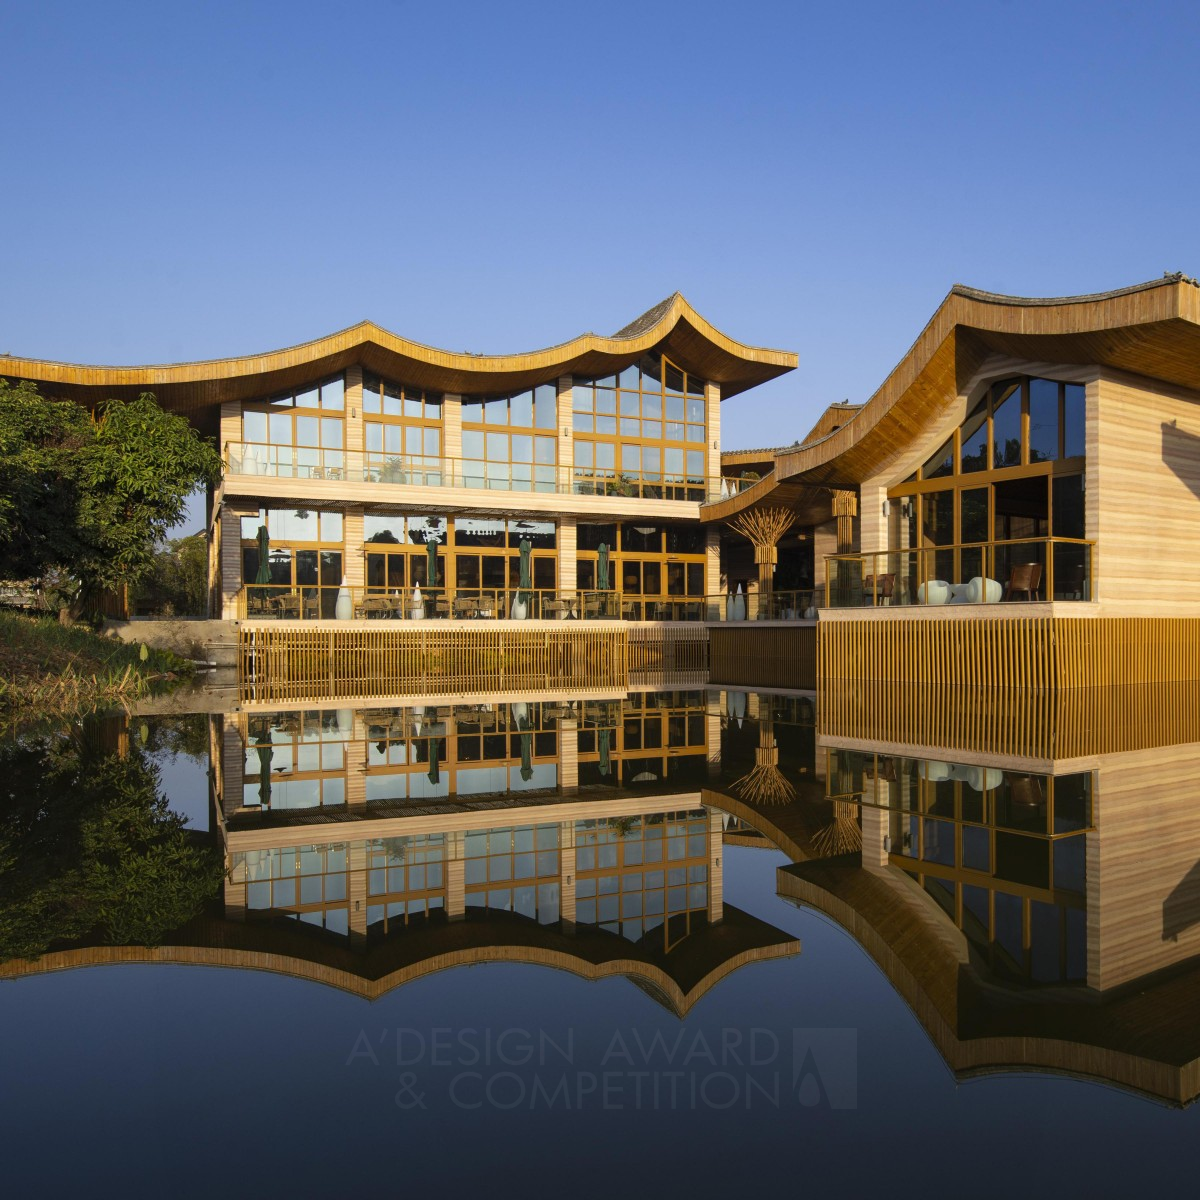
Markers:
<point>177,582</point>
<point>91,496</point>
<point>90,850</point>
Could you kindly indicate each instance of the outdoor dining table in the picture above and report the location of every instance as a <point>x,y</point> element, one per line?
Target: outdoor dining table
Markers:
<point>380,606</point>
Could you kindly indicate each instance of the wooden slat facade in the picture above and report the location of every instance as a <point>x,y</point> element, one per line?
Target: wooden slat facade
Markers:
<point>1056,729</point>
<point>1040,647</point>
<point>311,661</point>
<point>763,654</point>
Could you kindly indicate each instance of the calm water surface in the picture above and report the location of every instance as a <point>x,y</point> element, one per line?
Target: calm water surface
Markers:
<point>680,940</point>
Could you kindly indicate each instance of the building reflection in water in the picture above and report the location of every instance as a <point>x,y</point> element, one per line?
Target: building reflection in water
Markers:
<point>570,833</point>
<point>1035,898</point>
<point>1035,912</point>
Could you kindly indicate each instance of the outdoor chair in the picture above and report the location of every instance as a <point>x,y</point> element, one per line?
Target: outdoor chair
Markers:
<point>1024,579</point>
<point>878,592</point>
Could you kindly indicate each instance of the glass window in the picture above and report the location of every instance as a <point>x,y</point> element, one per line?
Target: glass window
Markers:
<point>1006,424</point>
<point>254,427</point>
<point>1073,420</point>
<point>974,514</point>
<point>942,463</point>
<point>974,437</point>
<point>1043,420</point>
<point>590,537</point>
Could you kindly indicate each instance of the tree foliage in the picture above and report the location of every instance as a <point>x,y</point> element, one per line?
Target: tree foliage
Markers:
<point>90,850</point>
<point>92,496</point>
<point>177,582</point>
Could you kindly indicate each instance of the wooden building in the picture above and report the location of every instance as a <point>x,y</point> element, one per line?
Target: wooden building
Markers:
<point>367,476</point>
<point>1018,503</point>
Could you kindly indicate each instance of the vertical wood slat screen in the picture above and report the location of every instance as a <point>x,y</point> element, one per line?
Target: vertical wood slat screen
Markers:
<point>286,663</point>
<point>1053,725</point>
<point>1016,652</point>
<point>768,656</point>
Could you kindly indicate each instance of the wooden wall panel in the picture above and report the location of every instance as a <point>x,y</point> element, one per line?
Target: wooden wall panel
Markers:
<point>763,655</point>
<point>989,647</point>
<point>1143,876</point>
<point>1144,492</point>
<point>284,661</point>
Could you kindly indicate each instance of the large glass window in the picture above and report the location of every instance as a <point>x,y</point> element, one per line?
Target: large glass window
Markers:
<point>657,569</point>
<point>1019,481</point>
<point>463,558</point>
<point>304,559</point>
<point>296,434</point>
<point>402,433</point>
<point>405,552</point>
<point>509,442</point>
<point>641,432</point>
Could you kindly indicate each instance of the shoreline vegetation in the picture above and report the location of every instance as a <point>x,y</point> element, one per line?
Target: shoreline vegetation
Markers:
<point>46,668</point>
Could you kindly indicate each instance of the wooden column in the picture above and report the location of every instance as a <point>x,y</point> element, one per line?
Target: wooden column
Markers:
<point>354,424</point>
<point>354,562</point>
<point>452,433</point>
<point>845,508</point>
<point>712,433</point>
<point>566,869</point>
<point>568,755</point>
<point>456,868</point>
<point>712,563</point>
<point>564,430</point>
<point>567,548</point>
<point>716,875</point>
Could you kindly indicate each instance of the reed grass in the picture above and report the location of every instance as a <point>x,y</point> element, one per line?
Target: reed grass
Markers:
<point>50,669</point>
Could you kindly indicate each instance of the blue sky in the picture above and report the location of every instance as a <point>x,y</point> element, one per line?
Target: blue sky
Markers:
<point>195,180</point>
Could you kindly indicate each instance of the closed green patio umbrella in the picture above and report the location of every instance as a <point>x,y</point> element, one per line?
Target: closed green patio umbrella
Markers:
<point>602,741</point>
<point>266,753</point>
<point>526,585</point>
<point>434,774</point>
<point>264,556</point>
<point>526,753</point>
<point>431,569</point>
<point>602,567</point>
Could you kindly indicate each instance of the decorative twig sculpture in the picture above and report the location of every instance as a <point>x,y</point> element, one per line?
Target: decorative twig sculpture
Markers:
<point>764,527</point>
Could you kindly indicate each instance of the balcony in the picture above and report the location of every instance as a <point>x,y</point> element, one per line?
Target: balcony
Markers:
<point>1027,569</point>
<point>311,462</point>
<point>318,602</point>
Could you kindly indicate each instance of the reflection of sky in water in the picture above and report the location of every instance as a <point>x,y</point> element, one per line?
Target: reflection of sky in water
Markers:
<point>276,1055</point>
<point>179,1044</point>
<point>185,784</point>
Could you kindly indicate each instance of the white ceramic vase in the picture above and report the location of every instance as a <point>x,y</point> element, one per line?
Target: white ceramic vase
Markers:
<point>344,608</point>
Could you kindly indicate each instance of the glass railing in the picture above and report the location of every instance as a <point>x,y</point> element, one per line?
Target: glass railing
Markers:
<point>286,462</point>
<point>733,486</point>
<point>1025,569</point>
<point>317,602</point>
<point>424,470</point>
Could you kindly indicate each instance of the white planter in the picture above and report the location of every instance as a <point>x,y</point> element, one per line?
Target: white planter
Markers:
<point>344,608</point>
<point>519,610</point>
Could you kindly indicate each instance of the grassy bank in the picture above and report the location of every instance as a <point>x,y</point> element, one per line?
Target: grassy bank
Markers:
<point>45,666</point>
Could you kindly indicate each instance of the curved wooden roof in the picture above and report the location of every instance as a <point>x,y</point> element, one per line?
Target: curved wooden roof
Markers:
<point>673,327</point>
<point>1150,329</point>
<point>676,980</point>
<point>1143,1038</point>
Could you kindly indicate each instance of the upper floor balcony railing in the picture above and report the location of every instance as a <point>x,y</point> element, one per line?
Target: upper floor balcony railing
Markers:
<point>424,470</point>
<point>969,573</point>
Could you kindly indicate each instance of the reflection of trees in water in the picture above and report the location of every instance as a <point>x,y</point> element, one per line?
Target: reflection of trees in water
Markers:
<point>90,850</point>
<point>183,733</point>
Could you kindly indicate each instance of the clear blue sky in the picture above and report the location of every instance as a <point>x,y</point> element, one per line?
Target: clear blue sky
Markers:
<point>192,180</point>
